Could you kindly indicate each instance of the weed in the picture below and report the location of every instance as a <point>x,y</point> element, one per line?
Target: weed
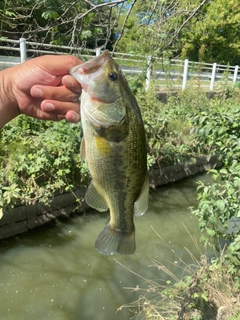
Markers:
<point>206,290</point>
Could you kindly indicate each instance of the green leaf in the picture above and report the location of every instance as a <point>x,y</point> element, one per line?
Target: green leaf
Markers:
<point>223,171</point>
<point>221,205</point>
<point>211,232</point>
<point>10,14</point>
<point>85,34</point>
<point>49,14</point>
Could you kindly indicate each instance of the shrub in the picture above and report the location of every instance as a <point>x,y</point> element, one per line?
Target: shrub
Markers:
<point>218,207</point>
<point>38,159</point>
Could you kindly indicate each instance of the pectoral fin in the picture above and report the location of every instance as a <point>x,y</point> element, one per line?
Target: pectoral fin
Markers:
<point>141,205</point>
<point>94,199</point>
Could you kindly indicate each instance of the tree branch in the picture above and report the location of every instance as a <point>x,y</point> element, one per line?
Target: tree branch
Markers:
<point>101,5</point>
<point>185,22</point>
<point>124,23</point>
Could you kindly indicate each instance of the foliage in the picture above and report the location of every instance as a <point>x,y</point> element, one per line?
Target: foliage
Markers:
<point>213,34</point>
<point>200,30</point>
<point>210,291</point>
<point>169,135</point>
<point>158,21</point>
<point>79,23</point>
<point>38,159</point>
<point>191,125</point>
<point>205,291</point>
<point>218,208</point>
<point>218,129</point>
<point>208,127</point>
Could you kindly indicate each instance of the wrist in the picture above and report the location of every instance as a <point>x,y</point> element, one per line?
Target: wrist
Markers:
<point>8,104</point>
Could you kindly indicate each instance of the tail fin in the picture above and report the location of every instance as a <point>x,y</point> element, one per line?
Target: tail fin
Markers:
<point>111,241</point>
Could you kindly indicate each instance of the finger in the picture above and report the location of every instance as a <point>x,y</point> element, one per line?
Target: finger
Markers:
<point>72,84</point>
<point>54,93</point>
<point>60,107</point>
<point>32,107</point>
<point>72,116</point>
<point>38,113</point>
<point>51,117</point>
<point>58,65</point>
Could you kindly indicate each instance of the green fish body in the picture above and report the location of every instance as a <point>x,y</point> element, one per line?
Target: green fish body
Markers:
<point>114,147</point>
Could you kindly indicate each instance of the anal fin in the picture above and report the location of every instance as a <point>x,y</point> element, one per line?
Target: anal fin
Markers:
<point>94,199</point>
<point>141,205</point>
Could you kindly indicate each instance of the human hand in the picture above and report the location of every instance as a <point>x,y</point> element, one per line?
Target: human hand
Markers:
<point>41,88</point>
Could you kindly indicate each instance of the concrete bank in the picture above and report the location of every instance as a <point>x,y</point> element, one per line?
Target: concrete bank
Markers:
<point>163,96</point>
<point>21,219</point>
<point>161,176</point>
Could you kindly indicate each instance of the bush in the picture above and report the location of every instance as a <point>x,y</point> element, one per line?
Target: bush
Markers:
<point>218,207</point>
<point>38,159</point>
<point>206,291</point>
<point>167,128</point>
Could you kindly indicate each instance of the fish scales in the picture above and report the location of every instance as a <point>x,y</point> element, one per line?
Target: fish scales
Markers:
<point>114,147</point>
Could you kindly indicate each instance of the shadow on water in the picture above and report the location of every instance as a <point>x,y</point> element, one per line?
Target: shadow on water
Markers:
<point>56,273</point>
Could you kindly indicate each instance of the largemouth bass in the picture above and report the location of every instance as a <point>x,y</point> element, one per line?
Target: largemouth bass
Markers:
<point>114,147</point>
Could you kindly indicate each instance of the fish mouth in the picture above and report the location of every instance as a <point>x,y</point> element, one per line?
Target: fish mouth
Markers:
<point>83,73</point>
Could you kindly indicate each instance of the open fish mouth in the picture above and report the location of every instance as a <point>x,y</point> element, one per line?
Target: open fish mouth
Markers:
<point>93,65</point>
<point>88,71</point>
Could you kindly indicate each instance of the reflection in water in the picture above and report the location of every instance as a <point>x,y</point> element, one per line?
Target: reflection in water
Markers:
<point>56,273</point>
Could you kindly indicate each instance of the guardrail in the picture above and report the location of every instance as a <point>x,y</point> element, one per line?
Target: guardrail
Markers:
<point>163,73</point>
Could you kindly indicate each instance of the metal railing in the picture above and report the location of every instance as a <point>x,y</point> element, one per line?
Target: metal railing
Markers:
<point>163,73</point>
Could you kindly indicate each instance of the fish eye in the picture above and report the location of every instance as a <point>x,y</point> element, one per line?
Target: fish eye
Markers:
<point>113,76</point>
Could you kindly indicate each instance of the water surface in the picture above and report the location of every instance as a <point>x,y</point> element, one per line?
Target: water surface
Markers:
<point>56,273</point>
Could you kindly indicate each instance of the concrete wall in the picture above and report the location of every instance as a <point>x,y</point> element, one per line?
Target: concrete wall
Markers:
<point>164,95</point>
<point>24,218</point>
<point>160,176</point>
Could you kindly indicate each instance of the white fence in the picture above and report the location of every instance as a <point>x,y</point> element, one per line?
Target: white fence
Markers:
<point>162,73</point>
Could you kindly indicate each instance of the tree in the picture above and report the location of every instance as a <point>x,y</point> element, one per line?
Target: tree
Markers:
<point>154,26</point>
<point>77,23</point>
<point>214,34</point>
<point>205,30</point>
<point>201,30</point>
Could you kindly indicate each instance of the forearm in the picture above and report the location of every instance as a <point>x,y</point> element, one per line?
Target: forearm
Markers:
<point>7,105</point>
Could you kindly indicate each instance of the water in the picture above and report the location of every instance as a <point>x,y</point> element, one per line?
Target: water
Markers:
<point>56,273</point>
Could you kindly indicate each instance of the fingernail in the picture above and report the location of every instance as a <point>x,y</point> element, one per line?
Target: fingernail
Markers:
<point>36,92</point>
<point>49,106</point>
